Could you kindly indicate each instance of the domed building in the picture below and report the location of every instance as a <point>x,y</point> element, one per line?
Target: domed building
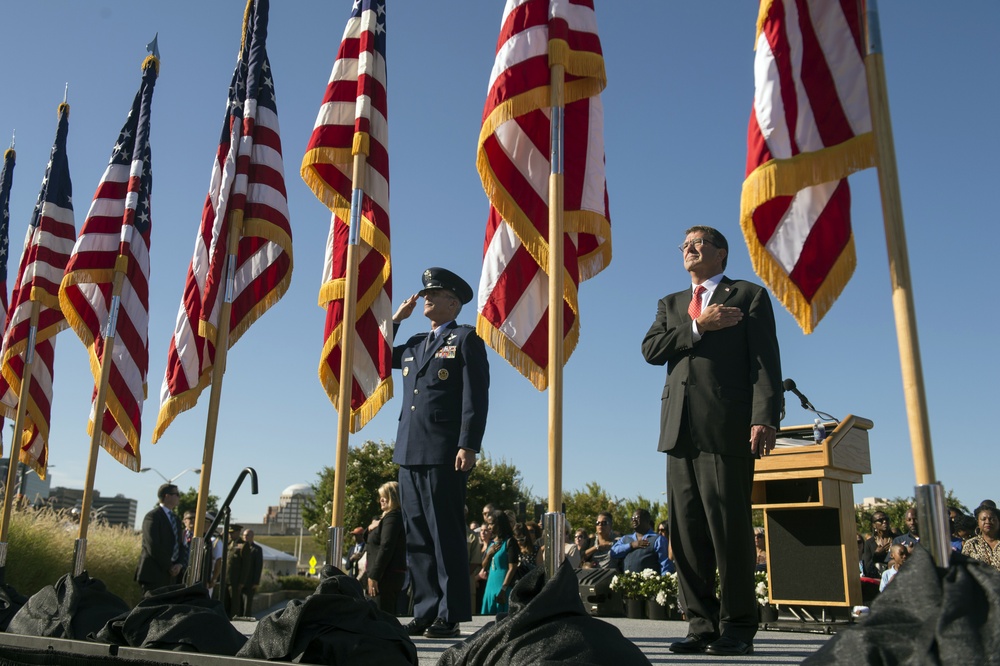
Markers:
<point>286,518</point>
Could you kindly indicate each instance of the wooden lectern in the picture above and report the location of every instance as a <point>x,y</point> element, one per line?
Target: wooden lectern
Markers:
<point>805,491</point>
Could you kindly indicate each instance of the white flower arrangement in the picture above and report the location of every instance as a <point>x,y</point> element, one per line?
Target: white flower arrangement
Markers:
<point>761,587</point>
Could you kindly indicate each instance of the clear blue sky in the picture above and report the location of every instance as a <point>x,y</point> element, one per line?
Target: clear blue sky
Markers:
<point>680,86</point>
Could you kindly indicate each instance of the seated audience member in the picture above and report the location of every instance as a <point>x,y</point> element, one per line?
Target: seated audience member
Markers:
<point>876,548</point>
<point>526,548</point>
<point>644,548</point>
<point>912,535</point>
<point>965,528</point>
<point>760,545</point>
<point>576,550</point>
<point>598,554</point>
<point>986,545</point>
<point>898,552</point>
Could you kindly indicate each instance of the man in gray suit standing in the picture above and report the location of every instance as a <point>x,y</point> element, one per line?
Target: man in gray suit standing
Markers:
<point>719,412</point>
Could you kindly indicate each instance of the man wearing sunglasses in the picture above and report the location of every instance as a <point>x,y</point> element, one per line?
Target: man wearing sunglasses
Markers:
<point>162,547</point>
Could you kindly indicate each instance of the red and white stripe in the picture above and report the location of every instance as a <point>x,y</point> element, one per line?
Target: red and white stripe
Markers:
<point>47,246</point>
<point>108,234</point>
<point>514,166</point>
<point>809,129</point>
<point>353,119</point>
<point>247,183</point>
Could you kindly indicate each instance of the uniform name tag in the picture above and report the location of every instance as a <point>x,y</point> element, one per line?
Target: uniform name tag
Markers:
<point>446,352</point>
<point>408,358</point>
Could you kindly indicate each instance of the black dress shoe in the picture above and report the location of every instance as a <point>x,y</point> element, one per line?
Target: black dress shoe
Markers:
<point>693,644</point>
<point>729,647</point>
<point>442,629</point>
<point>417,626</point>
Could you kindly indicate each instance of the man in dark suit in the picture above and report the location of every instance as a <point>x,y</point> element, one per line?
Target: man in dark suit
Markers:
<point>251,568</point>
<point>160,561</point>
<point>719,411</point>
<point>446,380</point>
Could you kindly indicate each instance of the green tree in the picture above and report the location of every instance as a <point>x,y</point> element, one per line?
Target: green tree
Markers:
<point>189,502</point>
<point>370,466</point>
<point>498,483</point>
<point>582,507</point>
<point>657,511</point>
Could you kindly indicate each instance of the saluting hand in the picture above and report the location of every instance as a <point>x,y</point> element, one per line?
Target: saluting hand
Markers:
<point>405,309</point>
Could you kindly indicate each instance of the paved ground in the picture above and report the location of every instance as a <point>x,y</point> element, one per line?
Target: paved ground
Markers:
<point>652,636</point>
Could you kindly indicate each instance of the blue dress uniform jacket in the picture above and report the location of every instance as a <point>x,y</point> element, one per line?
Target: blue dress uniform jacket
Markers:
<point>445,396</point>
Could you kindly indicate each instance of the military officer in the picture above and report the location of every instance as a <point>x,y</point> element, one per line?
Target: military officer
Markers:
<point>446,379</point>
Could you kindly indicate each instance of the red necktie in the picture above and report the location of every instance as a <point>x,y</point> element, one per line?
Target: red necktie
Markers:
<point>695,308</point>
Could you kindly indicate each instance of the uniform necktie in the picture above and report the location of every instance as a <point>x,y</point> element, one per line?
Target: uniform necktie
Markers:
<point>695,308</point>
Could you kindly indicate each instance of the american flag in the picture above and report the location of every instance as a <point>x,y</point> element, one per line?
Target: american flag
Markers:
<point>117,231</point>
<point>352,120</point>
<point>514,165</point>
<point>47,246</point>
<point>248,187</point>
<point>809,129</point>
<point>6,180</point>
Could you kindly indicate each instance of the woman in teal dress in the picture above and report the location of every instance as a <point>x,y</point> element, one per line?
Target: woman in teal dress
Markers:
<point>501,562</point>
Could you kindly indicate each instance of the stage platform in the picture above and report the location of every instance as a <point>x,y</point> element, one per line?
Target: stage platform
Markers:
<point>652,636</point>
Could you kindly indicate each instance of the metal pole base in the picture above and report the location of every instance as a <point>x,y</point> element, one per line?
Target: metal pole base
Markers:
<point>79,557</point>
<point>335,546</point>
<point>554,526</point>
<point>932,517</point>
<point>196,561</point>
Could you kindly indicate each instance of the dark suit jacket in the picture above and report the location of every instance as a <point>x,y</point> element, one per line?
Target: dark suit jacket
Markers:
<point>156,557</point>
<point>387,546</point>
<point>729,380</point>
<point>445,396</point>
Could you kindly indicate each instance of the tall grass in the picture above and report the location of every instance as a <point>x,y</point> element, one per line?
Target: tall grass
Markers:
<point>40,548</point>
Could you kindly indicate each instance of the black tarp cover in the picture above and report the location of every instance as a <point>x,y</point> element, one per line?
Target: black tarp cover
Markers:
<point>73,608</point>
<point>178,618</point>
<point>928,616</point>
<point>547,624</point>
<point>334,625</point>
<point>11,601</point>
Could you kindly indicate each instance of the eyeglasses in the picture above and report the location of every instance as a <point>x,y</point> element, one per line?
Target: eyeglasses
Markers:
<point>883,519</point>
<point>602,522</point>
<point>694,242</point>
<point>580,536</point>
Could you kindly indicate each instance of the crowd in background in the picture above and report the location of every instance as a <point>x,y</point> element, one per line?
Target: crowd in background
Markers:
<point>503,547</point>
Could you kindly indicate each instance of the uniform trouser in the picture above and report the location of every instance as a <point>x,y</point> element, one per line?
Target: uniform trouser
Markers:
<point>710,526</point>
<point>432,498</point>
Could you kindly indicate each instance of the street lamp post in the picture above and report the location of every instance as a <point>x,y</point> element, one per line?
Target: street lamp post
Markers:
<point>196,470</point>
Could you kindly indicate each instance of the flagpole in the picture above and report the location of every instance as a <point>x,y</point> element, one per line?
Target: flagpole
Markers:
<point>335,543</point>
<point>110,330</point>
<point>931,507</point>
<point>555,520</point>
<point>197,550</point>
<point>15,447</point>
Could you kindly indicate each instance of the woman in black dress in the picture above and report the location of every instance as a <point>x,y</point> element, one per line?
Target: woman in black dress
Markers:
<point>387,550</point>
